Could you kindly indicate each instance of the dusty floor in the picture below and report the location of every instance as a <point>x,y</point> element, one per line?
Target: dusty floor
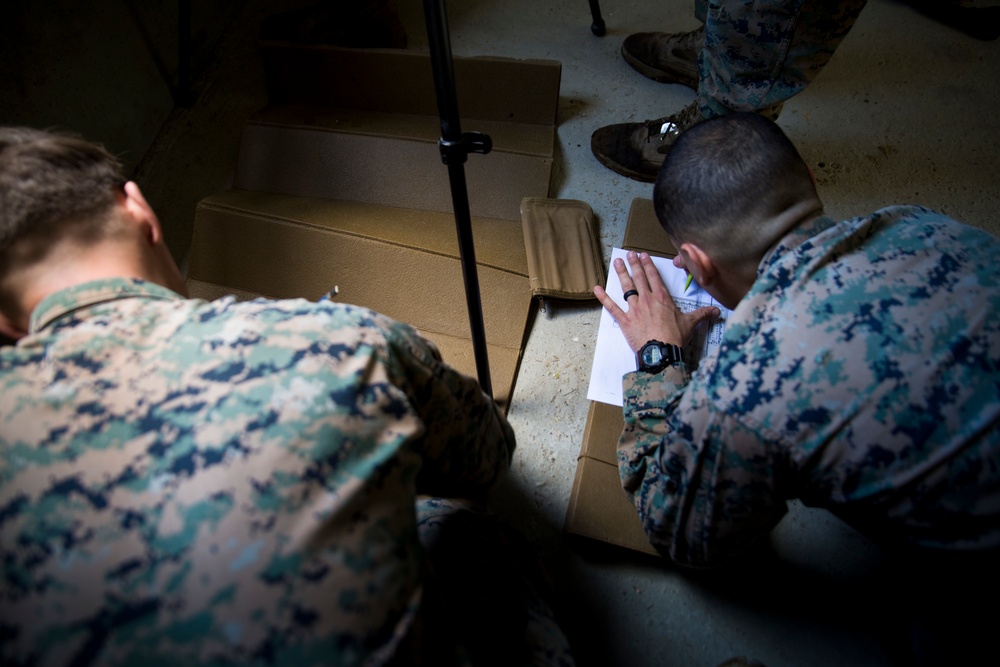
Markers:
<point>904,113</point>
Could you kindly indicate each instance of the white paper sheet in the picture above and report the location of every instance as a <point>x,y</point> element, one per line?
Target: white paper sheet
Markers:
<point>612,355</point>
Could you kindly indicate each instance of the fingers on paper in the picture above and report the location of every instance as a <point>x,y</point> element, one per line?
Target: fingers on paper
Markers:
<point>638,263</point>
<point>624,277</point>
<point>705,313</point>
<point>608,302</point>
<point>654,282</point>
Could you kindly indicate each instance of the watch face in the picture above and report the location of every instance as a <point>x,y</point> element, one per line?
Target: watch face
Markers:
<point>655,355</point>
<point>652,355</point>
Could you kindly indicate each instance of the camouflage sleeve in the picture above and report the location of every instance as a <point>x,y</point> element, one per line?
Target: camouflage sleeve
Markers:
<point>467,444</point>
<point>705,486</point>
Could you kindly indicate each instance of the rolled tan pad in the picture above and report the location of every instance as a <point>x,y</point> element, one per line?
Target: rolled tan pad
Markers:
<point>564,256</point>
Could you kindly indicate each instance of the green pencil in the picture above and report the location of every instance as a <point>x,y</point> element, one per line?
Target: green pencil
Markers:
<point>687,283</point>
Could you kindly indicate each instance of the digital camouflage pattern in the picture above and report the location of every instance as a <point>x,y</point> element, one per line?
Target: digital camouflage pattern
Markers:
<point>758,54</point>
<point>188,483</point>
<point>861,373</point>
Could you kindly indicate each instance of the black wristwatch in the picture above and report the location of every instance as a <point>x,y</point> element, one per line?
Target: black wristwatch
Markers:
<point>654,356</point>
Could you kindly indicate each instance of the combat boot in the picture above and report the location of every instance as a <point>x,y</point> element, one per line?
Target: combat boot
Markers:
<point>637,150</point>
<point>665,57</point>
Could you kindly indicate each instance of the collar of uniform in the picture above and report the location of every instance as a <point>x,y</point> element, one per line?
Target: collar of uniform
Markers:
<point>793,239</point>
<point>61,303</point>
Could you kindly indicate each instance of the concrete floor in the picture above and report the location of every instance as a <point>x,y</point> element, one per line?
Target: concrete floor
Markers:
<point>902,114</point>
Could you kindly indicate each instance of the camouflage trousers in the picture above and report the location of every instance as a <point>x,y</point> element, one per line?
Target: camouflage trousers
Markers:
<point>488,585</point>
<point>759,53</point>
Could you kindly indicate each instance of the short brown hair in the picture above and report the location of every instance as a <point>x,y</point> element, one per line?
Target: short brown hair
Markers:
<point>51,183</point>
<point>726,182</point>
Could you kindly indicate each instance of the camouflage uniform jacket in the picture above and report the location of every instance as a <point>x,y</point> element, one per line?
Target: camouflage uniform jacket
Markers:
<point>861,373</point>
<point>184,482</point>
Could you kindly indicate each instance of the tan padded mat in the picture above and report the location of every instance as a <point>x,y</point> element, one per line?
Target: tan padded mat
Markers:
<point>564,255</point>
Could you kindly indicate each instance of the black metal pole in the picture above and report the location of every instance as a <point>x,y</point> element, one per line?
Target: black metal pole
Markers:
<point>455,148</point>
<point>597,27</point>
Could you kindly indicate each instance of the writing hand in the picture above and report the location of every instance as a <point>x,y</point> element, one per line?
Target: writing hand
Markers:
<point>652,313</point>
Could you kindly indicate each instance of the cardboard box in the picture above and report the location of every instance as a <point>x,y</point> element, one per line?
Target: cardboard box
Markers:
<point>377,108</point>
<point>340,182</point>
<point>598,507</point>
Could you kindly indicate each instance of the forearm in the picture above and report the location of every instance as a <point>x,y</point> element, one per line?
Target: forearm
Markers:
<point>658,494</point>
<point>467,444</point>
<point>703,484</point>
<point>649,401</point>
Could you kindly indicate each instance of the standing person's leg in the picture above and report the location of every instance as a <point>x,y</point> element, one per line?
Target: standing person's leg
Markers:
<point>755,56</point>
<point>758,54</point>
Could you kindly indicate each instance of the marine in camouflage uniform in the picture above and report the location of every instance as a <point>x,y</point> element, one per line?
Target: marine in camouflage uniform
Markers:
<point>187,482</point>
<point>859,372</point>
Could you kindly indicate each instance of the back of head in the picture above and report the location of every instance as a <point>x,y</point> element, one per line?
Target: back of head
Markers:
<point>734,185</point>
<point>51,185</point>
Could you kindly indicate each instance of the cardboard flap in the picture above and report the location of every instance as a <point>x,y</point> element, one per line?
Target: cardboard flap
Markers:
<point>598,507</point>
<point>643,231</point>
<point>289,247</point>
<point>499,243</point>
<point>564,257</point>
<point>330,162</point>
<point>363,125</point>
<point>393,81</point>
<point>508,137</point>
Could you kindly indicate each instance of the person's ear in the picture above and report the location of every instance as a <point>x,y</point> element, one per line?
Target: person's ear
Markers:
<point>140,210</point>
<point>699,264</point>
<point>10,330</point>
